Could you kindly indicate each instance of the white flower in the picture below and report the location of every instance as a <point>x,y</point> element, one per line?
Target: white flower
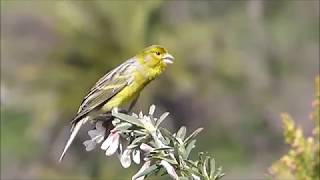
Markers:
<point>125,158</point>
<point>96,136</point>
<point>111,144</point>
<point>169,169</point>
<point>119,152</point>
<point>144,167</point>
<point>136,156</point>
<point>89,144</point>
<point>195,177</point>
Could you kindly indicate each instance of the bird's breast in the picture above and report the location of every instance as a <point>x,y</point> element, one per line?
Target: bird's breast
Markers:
<point>127,94</point>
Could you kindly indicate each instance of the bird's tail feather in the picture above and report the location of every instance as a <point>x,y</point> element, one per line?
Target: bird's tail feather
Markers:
<point>74,132</point>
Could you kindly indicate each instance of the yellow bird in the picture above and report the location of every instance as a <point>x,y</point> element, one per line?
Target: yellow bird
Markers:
<point>120,86</point>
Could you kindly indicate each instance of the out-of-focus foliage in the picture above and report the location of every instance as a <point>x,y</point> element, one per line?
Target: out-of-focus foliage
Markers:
<point>238,65</point>
<point>303,159</point>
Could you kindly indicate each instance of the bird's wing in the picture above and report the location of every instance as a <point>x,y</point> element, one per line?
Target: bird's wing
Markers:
<point>107,87</point>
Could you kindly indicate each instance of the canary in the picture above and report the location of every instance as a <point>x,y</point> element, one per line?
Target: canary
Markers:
<point>120,86</point>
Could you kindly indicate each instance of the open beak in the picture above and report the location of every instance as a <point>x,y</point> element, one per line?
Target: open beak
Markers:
<point>168,58</point>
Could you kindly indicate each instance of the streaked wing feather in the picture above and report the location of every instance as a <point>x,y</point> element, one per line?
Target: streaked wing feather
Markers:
<point>106,87</point>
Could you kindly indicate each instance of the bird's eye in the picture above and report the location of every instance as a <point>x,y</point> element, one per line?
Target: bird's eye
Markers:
<point>158,53</point>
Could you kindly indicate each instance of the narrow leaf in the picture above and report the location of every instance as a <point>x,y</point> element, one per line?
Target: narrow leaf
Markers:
<point>123,126</point>
<point>147,171</point>
<point>193,135</point>
<point>189,147</point>
<point>212,166</point>
<point>168,134</point>
<point>162,148</point>
<point>162,117</point>
<point>129,119</point>
<point>204,167</point>
<point>181,134</point>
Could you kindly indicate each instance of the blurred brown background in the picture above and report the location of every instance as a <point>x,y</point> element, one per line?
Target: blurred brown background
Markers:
<point>239,64</point>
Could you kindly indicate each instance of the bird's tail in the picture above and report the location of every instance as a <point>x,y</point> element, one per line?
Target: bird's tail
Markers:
<point>74,132</point>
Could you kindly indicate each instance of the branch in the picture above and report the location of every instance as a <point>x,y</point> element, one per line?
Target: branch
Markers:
<point>162,151</point>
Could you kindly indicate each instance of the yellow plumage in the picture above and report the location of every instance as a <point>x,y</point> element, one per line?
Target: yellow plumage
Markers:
<point>120,86</point>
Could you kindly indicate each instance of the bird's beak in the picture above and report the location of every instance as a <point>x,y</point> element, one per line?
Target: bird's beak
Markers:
<point>168,58</point>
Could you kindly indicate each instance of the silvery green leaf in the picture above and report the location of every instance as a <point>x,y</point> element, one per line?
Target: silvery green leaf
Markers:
<point>152,109</point>
<point>194,171</point>
<point>170,169</point>
<point>181,133</point>
<point>193,135</point>
<point>153,153</point>
<point>183,178</point>
<point>129,119</point>
<point>204,167</point>
<point>162,148</point>
<point>139,132</point>
<point>189,147</point>
<point>162,117</point>
<point>200,163</point>
<point>123,126</point>
<point>218,174</point>
<point>132,146</point>
<point>147,171</point>
<point>160,137</point>
<point>181,161</point>
<point>183,153</point>
<point>212,166</point>
<point>190,163</point>
<point>164,158</point>
<point>144,167</point>
<point>138,140</point>
<point>168,134</point>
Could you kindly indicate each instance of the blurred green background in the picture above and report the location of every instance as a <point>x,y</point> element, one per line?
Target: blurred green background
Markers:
<point>238,65</point>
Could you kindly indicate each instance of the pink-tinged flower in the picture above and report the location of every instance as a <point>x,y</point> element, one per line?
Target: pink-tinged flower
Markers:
<point>111,144</point>
<point>144,167</point>
<point>125,158</point>
<point>169,169</point>
<point>146,147</point>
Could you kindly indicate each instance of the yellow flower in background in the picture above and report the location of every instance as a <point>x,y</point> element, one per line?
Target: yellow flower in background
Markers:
<point>303,159</point>
<point>120,86</point>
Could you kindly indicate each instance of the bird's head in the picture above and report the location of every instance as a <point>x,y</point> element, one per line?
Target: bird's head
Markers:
<point>155,56</point>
